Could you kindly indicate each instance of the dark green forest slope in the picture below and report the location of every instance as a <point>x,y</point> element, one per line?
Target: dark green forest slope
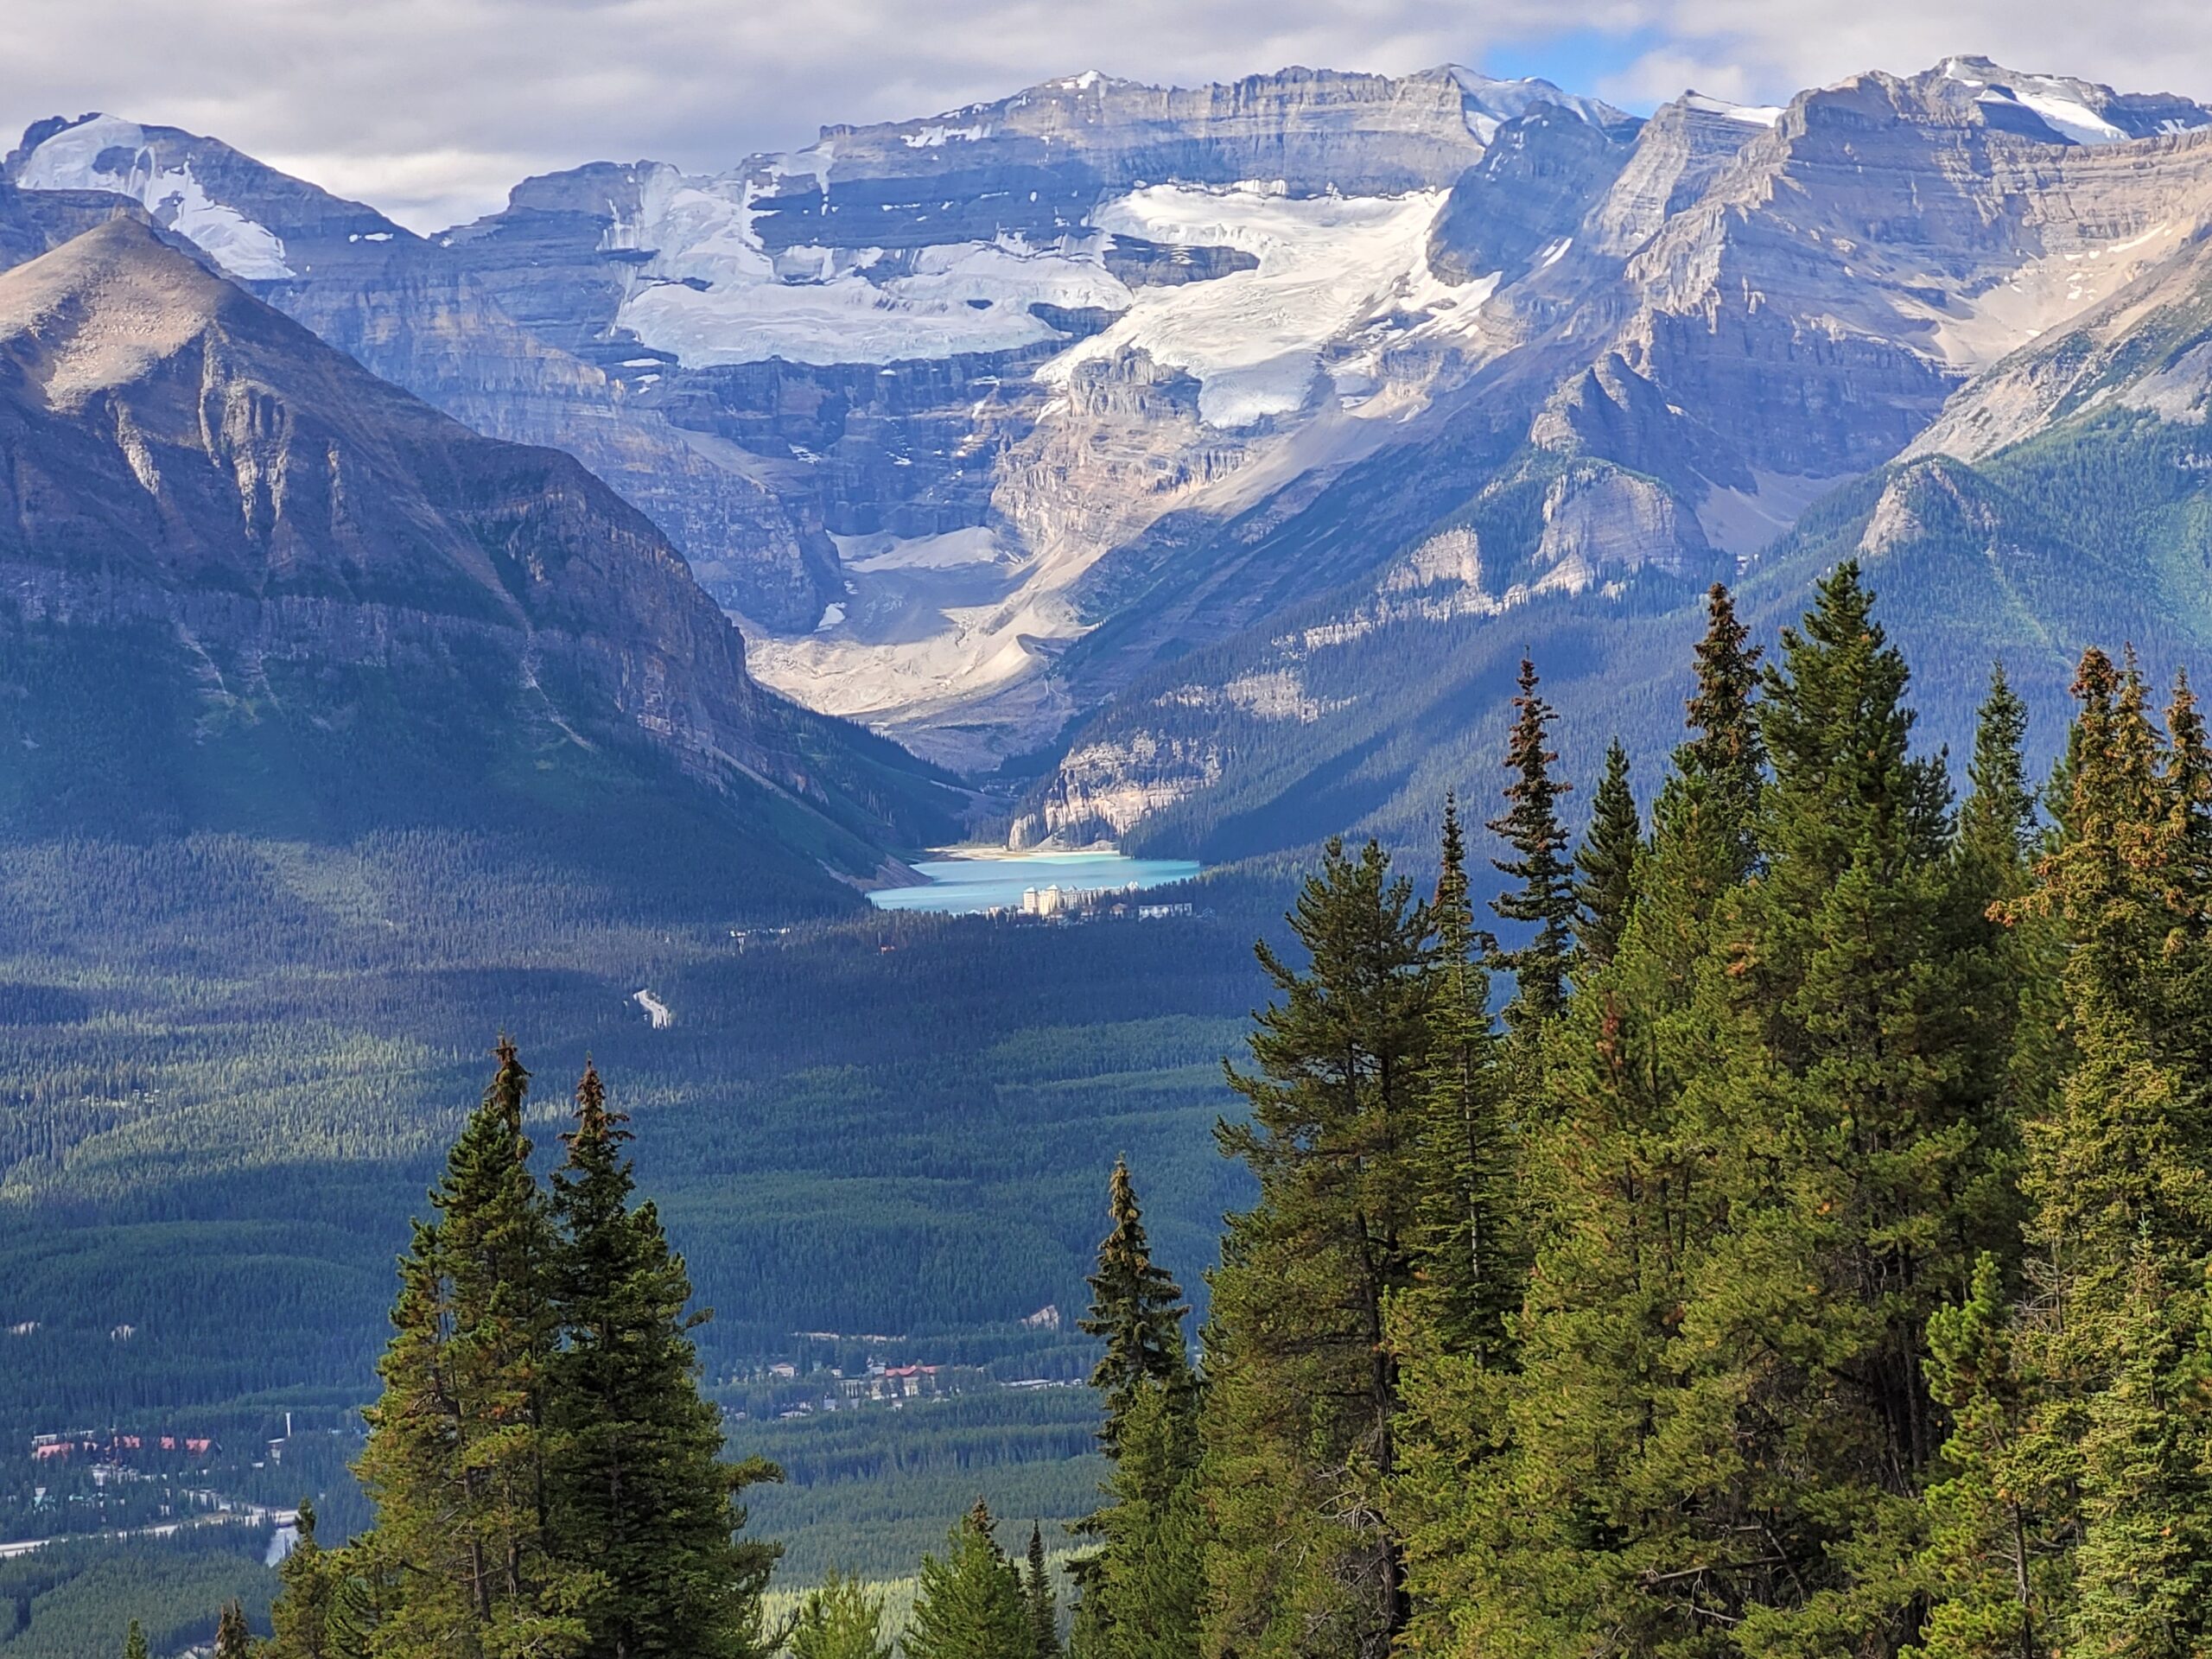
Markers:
<point>231,1064</point>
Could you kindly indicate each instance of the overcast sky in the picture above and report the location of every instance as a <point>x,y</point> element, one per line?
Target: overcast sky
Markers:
<point>430,109</point>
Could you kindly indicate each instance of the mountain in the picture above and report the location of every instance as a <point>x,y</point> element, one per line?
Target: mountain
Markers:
<point>1703,360</point>
<point>253,589</point>
<point>1193,458</point>
<point>414,316</point>
<point>867,381</point>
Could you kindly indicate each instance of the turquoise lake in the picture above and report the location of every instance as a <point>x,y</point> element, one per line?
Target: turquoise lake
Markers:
<point>972,883</point>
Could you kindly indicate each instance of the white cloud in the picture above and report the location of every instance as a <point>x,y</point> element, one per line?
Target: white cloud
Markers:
<point>430,109</point>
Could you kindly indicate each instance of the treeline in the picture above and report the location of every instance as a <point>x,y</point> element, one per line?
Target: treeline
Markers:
<point>1811,1260</point>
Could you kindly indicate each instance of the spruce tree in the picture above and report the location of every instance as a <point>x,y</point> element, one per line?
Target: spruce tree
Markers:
<point>366,1591</point>
<point>840,1620</point>
<point>1302,1384</point>
<point>636,1486</point>
<point>1140,1589</point>
<point>1463,1158</point>
<point>308,1582</point>
<point>1540,1503</point>
<point>2119,1176</point>
<point>1455,1332</point>
<point>1997,823</point>
<point>2004,960</point>
<point>1543,896</point>
<point>233,1639</point>
<point>455,1460</point>
<point>1606,866</point>
<point>2144,1583</point>
<point>1855,1157</point>
<point>134,1642</point>
<point>1137,1308</point>
<point>2186,852</point>
<point>1990,1534</point>
<point>1143,1590</point>
<point>1726,752</point>
<point>970,1603</point>
<point>1042,1606</point>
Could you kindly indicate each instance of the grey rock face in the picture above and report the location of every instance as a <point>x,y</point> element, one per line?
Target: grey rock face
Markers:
<point>177,450</point>
<point>987,421</point>
<point>416,316</point>
<point>1526,197</point>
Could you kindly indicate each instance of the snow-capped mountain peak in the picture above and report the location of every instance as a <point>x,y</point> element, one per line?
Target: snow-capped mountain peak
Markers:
<point>2060,109</point>
<point>104,152</point>
<point>1490,102</point>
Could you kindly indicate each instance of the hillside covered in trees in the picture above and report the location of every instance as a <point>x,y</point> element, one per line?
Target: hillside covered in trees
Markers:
<point>1814,1259</point>
<point>1810,1256</point>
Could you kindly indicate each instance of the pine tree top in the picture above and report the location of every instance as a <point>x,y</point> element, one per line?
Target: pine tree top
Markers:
<point>510,1083</point>
<point>1136,1307</point>
<point>1725,744</point>
<point>599,1132</point>
<point>1606,889</point>
<point>1544,894</point>
<point>1999,816</point>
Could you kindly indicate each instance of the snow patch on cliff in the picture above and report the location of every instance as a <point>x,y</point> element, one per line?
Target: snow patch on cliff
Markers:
<point>1253,338</point>
<point>107,153</point>
<point>713,294</point>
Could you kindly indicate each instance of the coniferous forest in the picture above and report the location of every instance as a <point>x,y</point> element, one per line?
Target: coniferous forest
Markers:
<point>1810,1257</point>
<point>1776,1224</point>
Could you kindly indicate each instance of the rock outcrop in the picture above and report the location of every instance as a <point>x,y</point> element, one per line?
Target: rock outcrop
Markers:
<point>181,462</point>
<point>991,422</point>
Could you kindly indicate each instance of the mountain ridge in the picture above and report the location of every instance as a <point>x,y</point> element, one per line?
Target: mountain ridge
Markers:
<point>292,543</point>
<point>1055,391</point>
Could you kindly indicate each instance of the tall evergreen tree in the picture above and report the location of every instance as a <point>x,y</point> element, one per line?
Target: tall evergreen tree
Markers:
<point>1042,1606</point>
<point>1139,1591</point>
<point>1142,1592</point>
<point>1543,896</point>
<point>455,1460</point>
<point>2119,1176</point>
<point>1726,752</point>
<point>2005,982</point>
<point>308,1581</point>
<point>2144,1587</point>
<point>1990,1539</point>
<point>1470,1272</point>
<point>969,1604</point>
<point>366,1590</point>
<point>1606,866</point>
<point>1854,1156</point>
<point>1137,1308</point>
<point>233,1639</point>
<point>637,1487</point>
<point>839,1619</point>
<point>1302,1383</point>
<point>134,1642</point>
<point>1545,1510</point>
<point>1997,823</point>
<point>1998,1507</point>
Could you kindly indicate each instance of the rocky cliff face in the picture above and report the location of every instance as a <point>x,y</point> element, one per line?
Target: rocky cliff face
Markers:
<point>985,422</point>
<point>173,441</point>
<point>403,308</point>
<point>183,463</point>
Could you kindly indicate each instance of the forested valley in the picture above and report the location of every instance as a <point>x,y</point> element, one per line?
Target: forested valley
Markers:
<point>1786,1233</point>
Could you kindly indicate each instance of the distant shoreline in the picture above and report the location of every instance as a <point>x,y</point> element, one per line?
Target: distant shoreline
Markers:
<point>981,854</point>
